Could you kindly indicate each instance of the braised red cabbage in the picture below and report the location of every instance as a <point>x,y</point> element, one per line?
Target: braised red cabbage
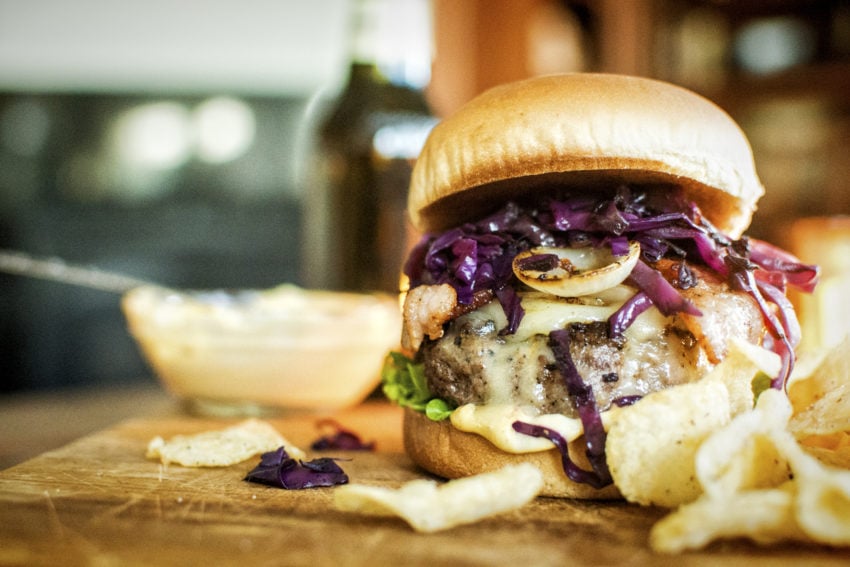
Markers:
<point>627,313</point>
<point>660,292</point>
<point>278,469</point>
<point>574,472</point>
<point>585,402</point>
<point>339,438</point>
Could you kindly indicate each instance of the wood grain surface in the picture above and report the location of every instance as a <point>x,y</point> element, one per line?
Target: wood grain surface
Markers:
<point>98,501</point>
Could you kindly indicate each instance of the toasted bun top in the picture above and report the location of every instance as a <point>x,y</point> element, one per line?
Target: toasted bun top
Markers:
<point>583,130</point>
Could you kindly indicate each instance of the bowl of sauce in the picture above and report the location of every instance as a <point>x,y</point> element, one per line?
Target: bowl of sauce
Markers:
<point>252,352</point>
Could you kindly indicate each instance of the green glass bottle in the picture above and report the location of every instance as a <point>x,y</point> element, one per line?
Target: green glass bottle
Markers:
<point>355,227</point>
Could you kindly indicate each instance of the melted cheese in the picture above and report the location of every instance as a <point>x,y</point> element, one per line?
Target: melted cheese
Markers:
<point>494,422</point>
<point>543,313</point>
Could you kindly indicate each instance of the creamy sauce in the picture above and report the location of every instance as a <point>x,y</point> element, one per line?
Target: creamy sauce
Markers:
<point>282,347</point>
<point>281,312</point>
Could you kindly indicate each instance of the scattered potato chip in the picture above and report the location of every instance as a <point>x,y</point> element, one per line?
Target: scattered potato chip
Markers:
<point>806,363</point>
<point>429,506</point>
<point>744,469</point>
<point>221,448</point>
<point>823,495</point>
<point>822,398</point>
<point>829,414</point>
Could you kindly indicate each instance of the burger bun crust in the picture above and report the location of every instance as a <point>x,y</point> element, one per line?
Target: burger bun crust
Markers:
<point>445,451</point>
<point>587,131</point>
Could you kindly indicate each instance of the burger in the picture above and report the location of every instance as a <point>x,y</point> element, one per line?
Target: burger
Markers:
<point>582,248</point>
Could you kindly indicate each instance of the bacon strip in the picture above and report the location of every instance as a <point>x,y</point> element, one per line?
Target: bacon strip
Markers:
<point>426,309</point>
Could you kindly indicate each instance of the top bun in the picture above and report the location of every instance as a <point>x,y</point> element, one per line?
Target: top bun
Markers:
<point>583,130</point>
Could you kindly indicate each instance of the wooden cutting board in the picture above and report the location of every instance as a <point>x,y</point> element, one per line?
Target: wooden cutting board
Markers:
<point>98,501</point>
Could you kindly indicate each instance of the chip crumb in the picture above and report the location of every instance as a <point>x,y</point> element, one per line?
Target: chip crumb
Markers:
<point>220,448</point>
<point>429,506</point>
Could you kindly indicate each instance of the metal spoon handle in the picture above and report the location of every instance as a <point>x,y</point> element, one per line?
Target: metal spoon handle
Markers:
<point>55,269</point>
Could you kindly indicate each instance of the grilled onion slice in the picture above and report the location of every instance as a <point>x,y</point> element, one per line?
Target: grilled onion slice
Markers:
<point>574,272</point>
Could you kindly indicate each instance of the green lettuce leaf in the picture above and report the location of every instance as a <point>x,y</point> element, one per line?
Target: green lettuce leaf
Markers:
<point>760,383</point>
<point>403,382</point>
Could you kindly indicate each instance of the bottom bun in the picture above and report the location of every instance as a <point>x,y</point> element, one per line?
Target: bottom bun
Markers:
<point>445,451</point>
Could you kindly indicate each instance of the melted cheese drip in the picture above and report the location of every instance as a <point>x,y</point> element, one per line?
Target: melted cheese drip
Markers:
<point>494,422</point>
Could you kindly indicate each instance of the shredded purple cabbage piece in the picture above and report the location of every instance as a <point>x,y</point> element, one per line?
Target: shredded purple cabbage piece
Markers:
<point>780,267</point>
<point>572,470</point>
<point>627,313</point>
<point>278,469</point>
<point>582,395</point>
<point>340,439</point>
<point>659,291</point>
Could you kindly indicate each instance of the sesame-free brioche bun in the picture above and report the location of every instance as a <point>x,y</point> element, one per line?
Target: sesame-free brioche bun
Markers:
<point>440,448</point>
<point>583,130</point>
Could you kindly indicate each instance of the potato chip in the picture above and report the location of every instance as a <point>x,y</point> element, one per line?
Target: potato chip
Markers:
<point>828,414</point>
<point>221,448</point>
<point>823,495</point>
<point>832,449</point>
<point>807,361</point>
<point>821,398</point>
<point>429,506</point>
<point>742,364</point>
<point>743,455</point>
<point>760,484</point>
<point>825,372</point>
<point>765,516</point>
<point>651,445</point>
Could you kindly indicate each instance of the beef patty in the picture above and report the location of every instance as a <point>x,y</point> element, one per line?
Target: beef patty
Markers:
<point>474,363</point>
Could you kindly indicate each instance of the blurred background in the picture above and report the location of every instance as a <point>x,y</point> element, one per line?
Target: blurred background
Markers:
<point>248,143</point>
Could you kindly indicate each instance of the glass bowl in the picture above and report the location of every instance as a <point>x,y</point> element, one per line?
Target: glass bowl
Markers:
<point>253,352</point>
